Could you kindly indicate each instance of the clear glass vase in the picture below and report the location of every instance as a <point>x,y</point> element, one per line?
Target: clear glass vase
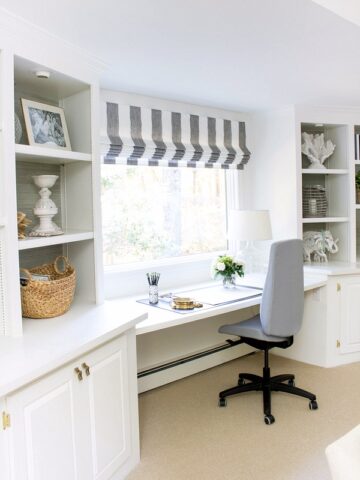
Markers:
<point>229,281</point>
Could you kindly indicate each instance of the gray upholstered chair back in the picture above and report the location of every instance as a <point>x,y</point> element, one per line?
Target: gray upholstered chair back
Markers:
<point>282,304</point>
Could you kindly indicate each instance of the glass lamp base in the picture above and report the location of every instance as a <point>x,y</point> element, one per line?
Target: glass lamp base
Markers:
<point>252,258</point>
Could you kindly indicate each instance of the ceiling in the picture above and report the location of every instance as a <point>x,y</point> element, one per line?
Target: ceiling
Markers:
<point>349,9</point>
<point>235,54</point>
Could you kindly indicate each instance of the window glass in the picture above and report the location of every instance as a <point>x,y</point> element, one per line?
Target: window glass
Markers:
<point>160,212</point>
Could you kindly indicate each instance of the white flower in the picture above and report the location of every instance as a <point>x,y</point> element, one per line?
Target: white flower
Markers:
<point>239,261</point>
<point>220,266</point>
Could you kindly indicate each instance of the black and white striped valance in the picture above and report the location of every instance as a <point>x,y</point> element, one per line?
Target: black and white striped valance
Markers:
<point>144,136</point>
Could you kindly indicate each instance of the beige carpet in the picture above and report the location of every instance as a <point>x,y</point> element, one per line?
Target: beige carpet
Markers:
<point>185,435</point>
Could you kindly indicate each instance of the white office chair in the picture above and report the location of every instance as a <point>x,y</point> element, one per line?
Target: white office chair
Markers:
<point>343,456</point>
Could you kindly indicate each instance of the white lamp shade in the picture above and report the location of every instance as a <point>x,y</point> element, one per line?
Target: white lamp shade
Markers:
<point>249,225</point>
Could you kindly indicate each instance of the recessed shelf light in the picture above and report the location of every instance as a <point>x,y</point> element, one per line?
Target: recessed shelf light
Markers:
<point>42,74</point>
<point>319,124</point>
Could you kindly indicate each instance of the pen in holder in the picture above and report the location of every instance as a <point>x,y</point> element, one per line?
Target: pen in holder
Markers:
<point>153,280</point>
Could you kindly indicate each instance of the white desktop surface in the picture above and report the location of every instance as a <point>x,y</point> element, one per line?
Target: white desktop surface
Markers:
<point>50,343</point>
<point>159,319</point>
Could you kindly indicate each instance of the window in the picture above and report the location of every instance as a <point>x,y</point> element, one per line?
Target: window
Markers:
<point>151,213</point>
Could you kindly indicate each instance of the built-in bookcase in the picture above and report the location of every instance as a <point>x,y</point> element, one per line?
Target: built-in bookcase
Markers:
<point>280,173</point>
<point>335,180</point>
<point>74,192</point>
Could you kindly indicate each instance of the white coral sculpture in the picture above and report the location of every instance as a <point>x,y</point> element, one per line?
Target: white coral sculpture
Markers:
<point>315,148</point>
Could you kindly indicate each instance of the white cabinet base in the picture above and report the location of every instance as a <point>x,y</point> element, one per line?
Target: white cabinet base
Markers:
<point>76,426</point>
<point>330,333</point>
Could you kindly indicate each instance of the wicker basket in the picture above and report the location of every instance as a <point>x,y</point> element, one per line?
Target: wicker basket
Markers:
<point>50,298</point>
<point>314,201</point>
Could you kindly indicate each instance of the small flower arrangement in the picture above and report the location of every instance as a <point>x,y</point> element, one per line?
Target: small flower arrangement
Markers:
<point>227,267</point>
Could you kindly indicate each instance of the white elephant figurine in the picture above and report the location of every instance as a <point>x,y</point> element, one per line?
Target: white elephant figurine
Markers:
<point>318,244</point>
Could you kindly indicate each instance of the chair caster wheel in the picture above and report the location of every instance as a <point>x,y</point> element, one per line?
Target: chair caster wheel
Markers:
<point>222,402</point>
<point>269,419</point>
<point>313,405</point>
<point>291,383</point>
<point>241,381</point>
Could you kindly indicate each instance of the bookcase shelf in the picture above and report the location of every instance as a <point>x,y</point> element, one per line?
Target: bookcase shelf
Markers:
<point>325,219</point>
<point>34,154</point>
<point>68,237</point>
<point>328,171</point>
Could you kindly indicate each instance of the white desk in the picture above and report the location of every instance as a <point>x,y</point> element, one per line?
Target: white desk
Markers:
<point>166,336</point>
<point>159,319</point>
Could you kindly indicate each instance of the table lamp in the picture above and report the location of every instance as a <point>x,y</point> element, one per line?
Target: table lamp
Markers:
<point>249,226</point>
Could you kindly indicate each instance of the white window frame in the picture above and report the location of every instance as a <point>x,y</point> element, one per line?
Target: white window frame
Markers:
<point>128,279</point>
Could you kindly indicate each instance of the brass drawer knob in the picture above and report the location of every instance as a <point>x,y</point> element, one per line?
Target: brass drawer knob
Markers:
<point>86,368</point>
<point>78,373</point>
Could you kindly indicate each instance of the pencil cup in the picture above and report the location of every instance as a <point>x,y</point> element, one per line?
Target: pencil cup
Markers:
<point>153,294</point>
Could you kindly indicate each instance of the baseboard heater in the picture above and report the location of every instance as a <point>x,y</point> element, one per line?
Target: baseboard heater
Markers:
<point>191,358</point>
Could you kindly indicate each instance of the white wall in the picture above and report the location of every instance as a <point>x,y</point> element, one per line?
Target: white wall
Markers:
<point>270,178</point>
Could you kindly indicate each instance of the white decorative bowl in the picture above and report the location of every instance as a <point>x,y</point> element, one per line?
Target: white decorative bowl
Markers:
<point>45,181</point>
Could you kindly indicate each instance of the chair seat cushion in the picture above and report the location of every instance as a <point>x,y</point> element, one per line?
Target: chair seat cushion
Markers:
<point>251,329</point>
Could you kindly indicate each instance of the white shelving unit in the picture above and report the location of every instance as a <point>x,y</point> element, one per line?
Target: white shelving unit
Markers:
<point>336,179</point>
<point>74,87</point>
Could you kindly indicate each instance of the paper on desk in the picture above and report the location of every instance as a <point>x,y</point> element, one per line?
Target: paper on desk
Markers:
<point>218,295</point>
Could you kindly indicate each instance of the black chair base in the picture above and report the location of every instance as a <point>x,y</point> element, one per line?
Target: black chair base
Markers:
<point>279,383</point>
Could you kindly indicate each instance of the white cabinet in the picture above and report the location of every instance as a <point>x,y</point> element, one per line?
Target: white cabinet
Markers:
<point>350,314</point>
<point>75,423</point>
<point>45,429</point>
<point>330,332</point>
<point>108,403</point>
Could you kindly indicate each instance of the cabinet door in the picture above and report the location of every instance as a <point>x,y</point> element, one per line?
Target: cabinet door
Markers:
<point>350,315</point>
<point>45,434</point>
<point>107,386</point>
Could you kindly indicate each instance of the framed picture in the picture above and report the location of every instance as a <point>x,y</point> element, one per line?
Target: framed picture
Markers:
<point>45,125</point>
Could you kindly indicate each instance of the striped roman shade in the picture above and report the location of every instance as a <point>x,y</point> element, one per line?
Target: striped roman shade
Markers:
<point>144,136</point>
